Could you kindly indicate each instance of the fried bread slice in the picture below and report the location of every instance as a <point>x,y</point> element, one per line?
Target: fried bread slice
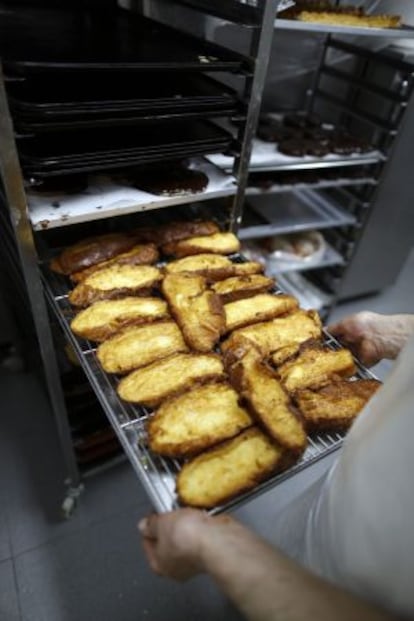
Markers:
<point>160,380</point>
<point>103,319</point>
<point>247,268</point>
<point>138,346</point>
<point>335,406</point>
<point>267,401</point>
<point>218,243</point>
<point>91,251</point>
<point>259,308</point>
<point>141,254</point>
<point>242,287</point>
<point>198,311</point>
<point>197,420</point>
<point>314,367</point>
<point>211,266</point>
<point>116,281</point>
<point>176,231</point>
<point>229,469</point>
<point>270,336</point>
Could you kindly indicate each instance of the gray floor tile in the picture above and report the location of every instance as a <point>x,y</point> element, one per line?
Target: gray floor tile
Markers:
<point>101,574</point>
<point>9,605</point>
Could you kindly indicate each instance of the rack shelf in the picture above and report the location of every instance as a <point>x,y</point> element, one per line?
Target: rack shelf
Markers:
<point>330,257</point>
<point>290,213</point>
<point>318,185</point>
<point>105,199</point>
<point>404,32</point>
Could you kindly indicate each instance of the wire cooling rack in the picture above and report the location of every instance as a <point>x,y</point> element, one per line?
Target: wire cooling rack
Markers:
<point>158,474</point>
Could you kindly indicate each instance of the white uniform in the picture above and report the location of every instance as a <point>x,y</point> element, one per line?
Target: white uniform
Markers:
<point>356,527</point>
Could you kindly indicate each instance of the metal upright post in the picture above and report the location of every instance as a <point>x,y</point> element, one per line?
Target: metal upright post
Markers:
<point>260,51</point>
<point>16,199</point>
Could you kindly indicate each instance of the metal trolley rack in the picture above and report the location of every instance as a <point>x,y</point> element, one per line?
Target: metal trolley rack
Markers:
<point>23,238</point>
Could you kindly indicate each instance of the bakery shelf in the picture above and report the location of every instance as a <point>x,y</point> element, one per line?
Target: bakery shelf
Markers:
<point>156,474</point>
<point>309,296</point>
<point>329,258</point>
<point>404,32</point>
<point>318,185</point>
<point>105,199</point>
<point>290,213</point>
<point>266,157</point>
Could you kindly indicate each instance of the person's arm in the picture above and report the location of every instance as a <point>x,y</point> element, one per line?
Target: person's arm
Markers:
<point>261,582</point>
<point>372,336</point>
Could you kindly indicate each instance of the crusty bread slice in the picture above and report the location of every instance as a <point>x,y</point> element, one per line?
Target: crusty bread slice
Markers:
<point>197,420</point>
<point>158,381</point>
<point>229,469</point>
<point>114,282</point>
<point>267,401</point>
<point>269,336</point>
<point>314,367</point>
<point>242,287</point>
<point>211,266</point>
<point>335,406</point>
<point>91,251</point>
<point>176,231</point>
<point>103,319</point>
<point>259,308</point>
<point>218,243</point>
<point>198,311</point>
<point>138,346</point>
<point>141,254</point>
<point>249,267</point>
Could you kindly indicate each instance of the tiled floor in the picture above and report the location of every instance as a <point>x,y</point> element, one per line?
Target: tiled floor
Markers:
<point>91,567</point>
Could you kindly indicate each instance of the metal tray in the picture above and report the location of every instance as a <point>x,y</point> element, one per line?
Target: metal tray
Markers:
<point>54,97</point>
<point>157,474</point>
<point>404,32</point>
<point>291,212</point>
<point>41,40</point>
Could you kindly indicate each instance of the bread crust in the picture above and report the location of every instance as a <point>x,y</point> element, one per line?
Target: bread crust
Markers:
<point>152,384</point>
<point>176,231</point>
<point>217,243</point>
<point>238,464</point>
<point>141,254</point>
<point>256,309</point>
<point>198,311</point>
<point>139,346</point>
<point>197,420</point>
<point>335,406</point>
<point>114,282</point>
<point>104,319</point>
<point>242,287</point>
<point>91,251</point>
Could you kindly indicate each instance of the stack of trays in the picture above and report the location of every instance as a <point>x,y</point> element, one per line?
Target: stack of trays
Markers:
<point>90,92</point>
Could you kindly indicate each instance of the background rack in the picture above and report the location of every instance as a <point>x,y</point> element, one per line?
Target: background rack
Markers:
<point>256,20</point>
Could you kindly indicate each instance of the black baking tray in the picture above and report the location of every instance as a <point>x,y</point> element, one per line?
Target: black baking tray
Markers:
<point>56,97</point>
<point>92,144</point>
<point>26,126</point>
<point>33,172</point>
<point>39,40</point>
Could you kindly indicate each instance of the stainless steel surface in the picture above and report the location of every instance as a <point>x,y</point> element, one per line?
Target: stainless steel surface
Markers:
<point>158,474</point>
<point>292,212</point>
<point>405,32</point>
<point>318,185</point>
<point>260,50</point>
<point>329,258</point>
<point>16,199</point>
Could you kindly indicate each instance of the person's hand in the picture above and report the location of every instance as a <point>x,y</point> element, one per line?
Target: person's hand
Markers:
<point>173,542</point>
<point>372,336</point>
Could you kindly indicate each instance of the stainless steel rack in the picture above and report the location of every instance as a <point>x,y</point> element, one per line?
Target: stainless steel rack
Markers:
<point>156,473</point>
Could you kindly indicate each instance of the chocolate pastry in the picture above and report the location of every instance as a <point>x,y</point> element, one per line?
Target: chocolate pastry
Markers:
<point>277,133</point>
<point>294,148</point>
<point>176,180</point>
<point>318,148</point>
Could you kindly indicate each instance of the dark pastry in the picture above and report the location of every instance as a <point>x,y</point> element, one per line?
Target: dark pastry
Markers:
<point>277,133</point>
<point>294,148</point>
<point>345,144</point>
<point>176,180</point>
<point>318,148</point>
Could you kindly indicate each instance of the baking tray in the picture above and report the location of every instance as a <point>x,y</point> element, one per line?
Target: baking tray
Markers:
<point>404,32</point>
<point>157,474</point>
<point>55,97</point>
<point>36,40</point>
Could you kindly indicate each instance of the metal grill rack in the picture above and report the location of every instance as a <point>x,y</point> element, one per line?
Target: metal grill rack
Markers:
<point>156,473</point>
